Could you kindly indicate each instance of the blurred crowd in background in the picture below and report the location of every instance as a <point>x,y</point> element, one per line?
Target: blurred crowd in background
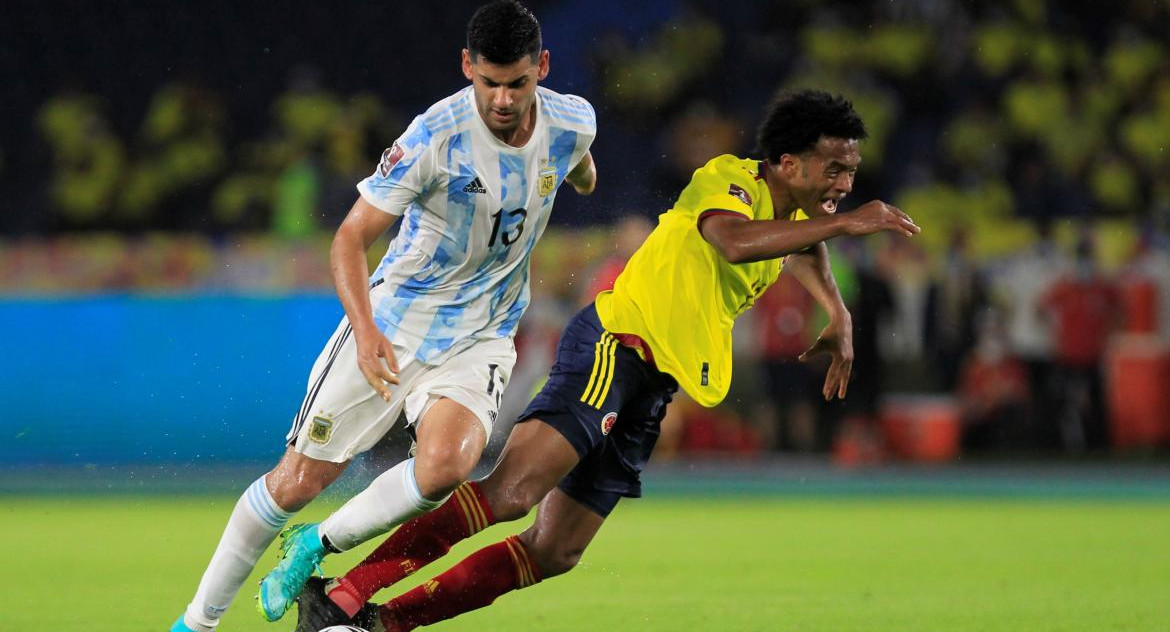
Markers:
<point>1028,137</point>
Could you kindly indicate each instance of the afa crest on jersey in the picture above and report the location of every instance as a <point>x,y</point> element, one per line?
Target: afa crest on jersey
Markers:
<point>321,430</point>
<point>607,423</point>
<point>548,178</point>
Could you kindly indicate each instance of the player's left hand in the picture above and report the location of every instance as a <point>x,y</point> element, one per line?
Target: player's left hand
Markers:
<point>837,340</point>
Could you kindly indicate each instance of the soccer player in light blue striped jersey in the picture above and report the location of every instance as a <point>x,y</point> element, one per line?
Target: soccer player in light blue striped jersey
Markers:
<point>429,333</point>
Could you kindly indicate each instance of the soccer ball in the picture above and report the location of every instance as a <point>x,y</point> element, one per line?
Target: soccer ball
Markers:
<point>343,628</point>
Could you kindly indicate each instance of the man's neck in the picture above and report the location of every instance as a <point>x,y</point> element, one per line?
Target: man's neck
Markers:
<point>782,200</point>
<point>519,135</point>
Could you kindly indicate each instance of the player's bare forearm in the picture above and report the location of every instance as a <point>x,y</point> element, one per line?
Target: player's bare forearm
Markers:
<point>741,240</point>
<point>812,269</point>
<point>347,257</point>
<point>583,177</point>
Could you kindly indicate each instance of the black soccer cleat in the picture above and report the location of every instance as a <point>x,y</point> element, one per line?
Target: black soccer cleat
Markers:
<point>315,611</point>
<point>367,618</point>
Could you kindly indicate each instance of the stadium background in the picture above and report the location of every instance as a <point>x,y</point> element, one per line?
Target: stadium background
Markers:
<point>171,174</point>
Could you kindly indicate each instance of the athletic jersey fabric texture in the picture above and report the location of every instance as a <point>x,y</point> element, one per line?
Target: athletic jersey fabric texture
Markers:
<point>679,295</point>
<point>472,209</point>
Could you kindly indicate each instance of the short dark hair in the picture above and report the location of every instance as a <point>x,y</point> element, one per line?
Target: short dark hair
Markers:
<point>503,32</point>
<point>794,121</point>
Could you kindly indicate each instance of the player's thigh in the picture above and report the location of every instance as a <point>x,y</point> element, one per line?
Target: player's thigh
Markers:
<point>535,458</point>
<point>474,378</point>
<point>450,441</point>
<point>341,415</point>
<point>562,531</point>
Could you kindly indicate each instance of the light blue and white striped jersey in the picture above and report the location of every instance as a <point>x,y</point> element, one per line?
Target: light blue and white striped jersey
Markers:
<point>473,208</point>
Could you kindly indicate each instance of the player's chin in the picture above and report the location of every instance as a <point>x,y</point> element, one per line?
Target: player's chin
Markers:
<point>503,123</point>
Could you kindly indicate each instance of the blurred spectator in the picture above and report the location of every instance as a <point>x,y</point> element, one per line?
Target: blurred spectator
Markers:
<point>1145,284</point>
<point>628,235</point>
<point>647,78</point>
<point>88,160</point>
<point>1083,308</point>
<point>691,139</point>
<point>179,152</point>
<point>993,392</point>
<point>952,305</point>
<point>297,199</point>
<point>1020,284</point>
<point>782,318</point>
<point>873,309</point>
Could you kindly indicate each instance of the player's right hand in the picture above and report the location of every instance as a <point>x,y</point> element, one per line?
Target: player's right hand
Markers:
<point>375,358</point>
<point>875,216</point>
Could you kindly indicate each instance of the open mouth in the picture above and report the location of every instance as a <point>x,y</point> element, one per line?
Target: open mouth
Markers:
<point>829,205</point>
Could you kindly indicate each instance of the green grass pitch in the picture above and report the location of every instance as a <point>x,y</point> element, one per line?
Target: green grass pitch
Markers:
<point>123,564</point>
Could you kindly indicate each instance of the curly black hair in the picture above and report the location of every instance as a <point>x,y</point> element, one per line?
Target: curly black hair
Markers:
<point>796,120</point>
<point>503,32</point>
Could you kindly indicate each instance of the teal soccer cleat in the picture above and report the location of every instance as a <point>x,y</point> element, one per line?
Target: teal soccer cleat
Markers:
<point>301,553</point>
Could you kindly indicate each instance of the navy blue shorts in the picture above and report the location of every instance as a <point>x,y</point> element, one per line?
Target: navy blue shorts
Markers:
<point>608,403</point>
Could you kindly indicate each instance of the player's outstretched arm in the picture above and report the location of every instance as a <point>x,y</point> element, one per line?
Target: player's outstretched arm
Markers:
<point>583,177</point>
<point>742,240</point>
<point>812,269</point>
<point>351,273</point>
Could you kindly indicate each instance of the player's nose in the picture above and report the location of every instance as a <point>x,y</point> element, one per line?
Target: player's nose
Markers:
<point>844,183</point>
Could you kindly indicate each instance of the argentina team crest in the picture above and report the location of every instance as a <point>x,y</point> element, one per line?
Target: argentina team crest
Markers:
<point>548,179</point>
<point>607,423</point>
<point>321,430</point>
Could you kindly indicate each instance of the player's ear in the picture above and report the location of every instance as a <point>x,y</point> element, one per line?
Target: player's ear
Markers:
<point>467,72</point>
<point>789,165</point>
<point>542,70</point>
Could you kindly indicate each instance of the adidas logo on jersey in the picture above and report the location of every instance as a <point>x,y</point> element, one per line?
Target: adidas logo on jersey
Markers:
<point>475,186</point>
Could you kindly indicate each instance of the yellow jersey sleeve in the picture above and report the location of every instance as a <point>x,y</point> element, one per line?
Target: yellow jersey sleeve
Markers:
<point>726,183</point>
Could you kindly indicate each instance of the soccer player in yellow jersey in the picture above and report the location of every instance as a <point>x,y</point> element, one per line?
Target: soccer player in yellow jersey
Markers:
<point>583,441</point>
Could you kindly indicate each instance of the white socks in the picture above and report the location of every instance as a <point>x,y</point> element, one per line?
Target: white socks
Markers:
<point>253,525</point>
<point>390,500</point>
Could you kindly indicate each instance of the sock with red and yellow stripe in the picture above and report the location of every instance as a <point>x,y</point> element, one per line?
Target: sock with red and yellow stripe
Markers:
<point>473,583</point>
<point>414,545</point>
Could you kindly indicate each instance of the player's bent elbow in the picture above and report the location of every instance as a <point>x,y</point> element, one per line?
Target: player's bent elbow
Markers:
<point>733,252</point>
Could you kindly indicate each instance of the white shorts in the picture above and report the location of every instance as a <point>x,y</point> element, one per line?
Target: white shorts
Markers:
<point>343,416</point>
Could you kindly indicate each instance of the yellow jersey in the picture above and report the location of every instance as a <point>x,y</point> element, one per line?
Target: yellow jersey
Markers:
<point>679,295</point>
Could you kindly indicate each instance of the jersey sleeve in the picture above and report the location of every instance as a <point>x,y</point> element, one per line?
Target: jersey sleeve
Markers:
<point>406,169</point>
<point>585,136</point>
<point>724,187</point>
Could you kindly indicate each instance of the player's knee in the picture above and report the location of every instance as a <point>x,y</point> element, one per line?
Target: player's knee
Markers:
<point>437,474</point>
<point>292,494</point>
<point>507,507</point>
<point>558,560</point>
<point>510,499</point>
<point>297,480</point>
